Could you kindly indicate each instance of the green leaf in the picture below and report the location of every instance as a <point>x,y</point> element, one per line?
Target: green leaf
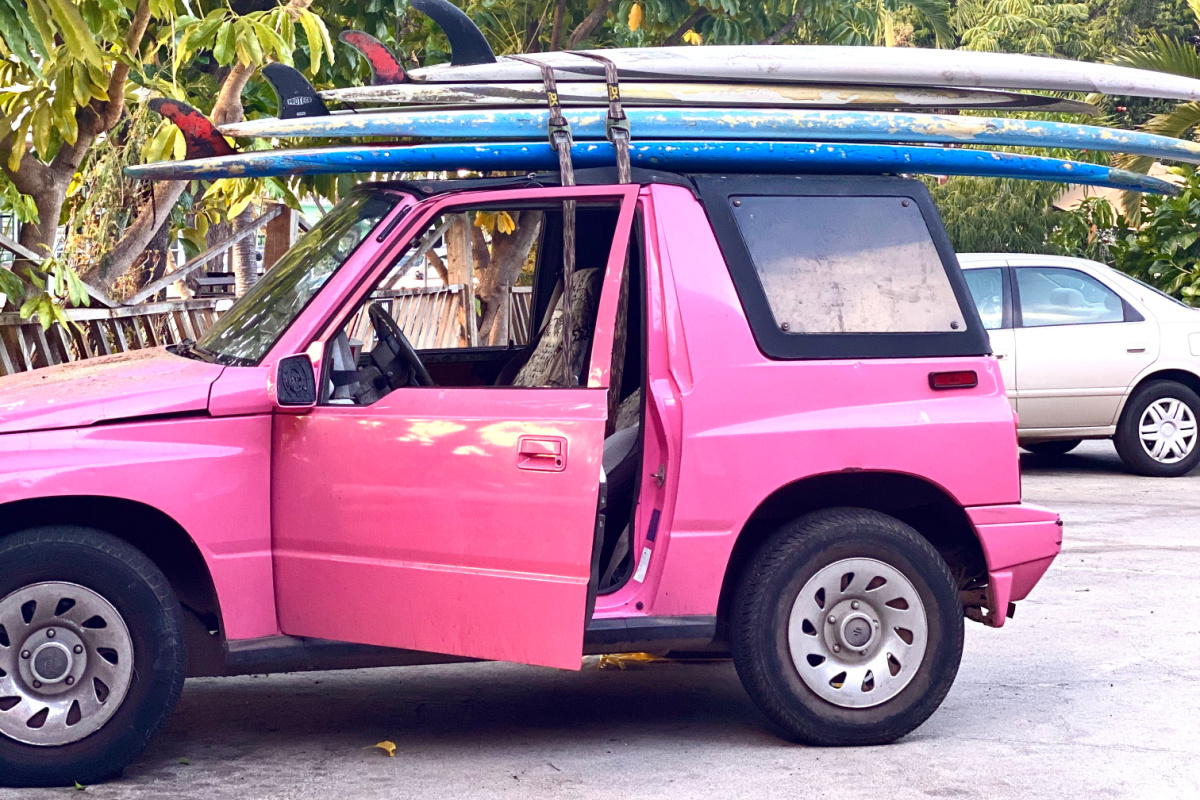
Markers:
<point>40,14</point>
<point>318,40</point>
<point>11,286</point>
<point>75,32</point>
<point>226,45</point>
<point>248,49</point>
<point>41,130</point>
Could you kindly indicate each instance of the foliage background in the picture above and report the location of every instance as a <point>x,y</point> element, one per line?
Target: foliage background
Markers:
<point>64,64</point>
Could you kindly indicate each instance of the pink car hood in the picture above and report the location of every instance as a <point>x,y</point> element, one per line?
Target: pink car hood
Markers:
<point>126,386</point>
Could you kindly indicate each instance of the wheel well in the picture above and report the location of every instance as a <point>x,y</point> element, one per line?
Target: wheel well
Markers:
<point>1188,379</point>
<point>161,538</point>
<point>916,502</point>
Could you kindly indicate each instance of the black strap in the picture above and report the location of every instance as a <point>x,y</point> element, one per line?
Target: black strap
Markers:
<point>616,127</point>
<point>560,139</point>
<point>343,377</point>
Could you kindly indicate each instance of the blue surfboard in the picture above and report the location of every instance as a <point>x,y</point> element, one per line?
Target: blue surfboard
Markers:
<point>716,123</point>
<point>680,156</point>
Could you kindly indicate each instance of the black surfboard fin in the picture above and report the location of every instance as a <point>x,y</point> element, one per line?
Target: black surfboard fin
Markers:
<point>297,97</point>
<point>467,44</point>
<point>385,67</point>
<point>202,137</point>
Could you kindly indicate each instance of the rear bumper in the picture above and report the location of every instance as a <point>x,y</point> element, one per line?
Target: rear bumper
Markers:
<point>1019,542</point>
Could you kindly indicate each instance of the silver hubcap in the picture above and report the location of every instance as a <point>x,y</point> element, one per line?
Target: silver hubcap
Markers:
<point>858,632</point>
<point>1168,430</point>
<point>66,662</point>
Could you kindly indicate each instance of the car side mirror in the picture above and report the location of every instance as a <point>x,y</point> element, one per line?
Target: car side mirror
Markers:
<point>295,385</point>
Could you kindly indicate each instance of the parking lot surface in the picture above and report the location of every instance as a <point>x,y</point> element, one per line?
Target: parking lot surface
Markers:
<point>1092,690</point>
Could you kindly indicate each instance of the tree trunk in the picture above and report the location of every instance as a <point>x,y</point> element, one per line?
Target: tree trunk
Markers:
<point>151,223</point>
<point>589,24</point>
<point>509,252</point>
<point>556,32</point>
<point>245,265</point>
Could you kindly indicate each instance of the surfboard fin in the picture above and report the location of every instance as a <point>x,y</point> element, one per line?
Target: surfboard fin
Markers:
<point>201,136</point>
<point>297,97</point>
<point>385,67</point>
<point>467,44</point>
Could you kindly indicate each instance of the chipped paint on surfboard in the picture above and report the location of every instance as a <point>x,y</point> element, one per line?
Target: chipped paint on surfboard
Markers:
<point>708,123</point>
<point>797,95</point>
<point>681,156</point>
<point>887,66</point>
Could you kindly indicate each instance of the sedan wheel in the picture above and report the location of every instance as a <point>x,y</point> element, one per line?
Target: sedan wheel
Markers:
<point>1158,433</point>
<point>1168,430</point>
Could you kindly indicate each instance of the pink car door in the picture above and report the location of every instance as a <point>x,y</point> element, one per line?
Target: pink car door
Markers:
<point>454,520</point>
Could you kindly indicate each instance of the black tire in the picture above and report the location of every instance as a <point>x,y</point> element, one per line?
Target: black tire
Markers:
<point>763,603</point>
<point>141,594</point>
<point>1056,448</point>
<point>1128,442</point>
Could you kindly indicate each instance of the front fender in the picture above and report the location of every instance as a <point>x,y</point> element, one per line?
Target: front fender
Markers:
<point>211,475</point>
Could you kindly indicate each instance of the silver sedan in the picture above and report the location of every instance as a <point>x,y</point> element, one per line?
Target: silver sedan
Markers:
<point>1090,353</point>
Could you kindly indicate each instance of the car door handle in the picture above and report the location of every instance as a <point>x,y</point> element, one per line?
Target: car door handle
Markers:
<point>542,453</point>
<point>1135,349</point>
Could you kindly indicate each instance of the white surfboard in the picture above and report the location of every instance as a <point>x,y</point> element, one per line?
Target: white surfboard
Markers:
<point>697,94</point>
<point>887,66</point>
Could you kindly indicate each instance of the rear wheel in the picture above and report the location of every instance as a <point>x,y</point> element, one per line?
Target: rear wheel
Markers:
<point>847,628</point>
<point>1157,434</point>
<point>92,655</point>
<point>1057,448</point>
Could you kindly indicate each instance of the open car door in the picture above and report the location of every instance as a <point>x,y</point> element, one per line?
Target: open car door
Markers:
<point>456,520</point>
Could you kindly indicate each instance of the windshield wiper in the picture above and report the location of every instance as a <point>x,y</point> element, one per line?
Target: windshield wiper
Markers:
<point>188,349</point>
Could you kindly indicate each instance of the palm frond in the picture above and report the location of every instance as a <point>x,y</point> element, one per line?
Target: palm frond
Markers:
<point>1162,54</point>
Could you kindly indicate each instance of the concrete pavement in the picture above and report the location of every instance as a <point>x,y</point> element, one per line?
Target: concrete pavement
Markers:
<point>1092,690</point>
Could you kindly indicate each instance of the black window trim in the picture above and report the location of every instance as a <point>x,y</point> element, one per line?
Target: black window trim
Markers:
<point>1128,312</point>
<point>716,193</point>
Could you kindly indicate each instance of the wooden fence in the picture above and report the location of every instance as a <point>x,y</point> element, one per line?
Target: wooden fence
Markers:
<point>428,317</point>
<point>24,345</point>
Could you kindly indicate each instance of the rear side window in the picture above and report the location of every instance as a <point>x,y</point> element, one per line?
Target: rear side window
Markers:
<point>847,265</point>
<point>987,289</point>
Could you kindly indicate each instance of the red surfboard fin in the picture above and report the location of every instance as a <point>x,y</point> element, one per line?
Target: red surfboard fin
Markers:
<point>202,137</point>
<point>385,67</point>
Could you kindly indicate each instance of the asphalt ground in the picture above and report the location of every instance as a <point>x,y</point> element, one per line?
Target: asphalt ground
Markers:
<point>1093,690</point>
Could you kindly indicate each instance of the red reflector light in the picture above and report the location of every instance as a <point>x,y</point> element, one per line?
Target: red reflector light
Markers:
<point>964,379</point>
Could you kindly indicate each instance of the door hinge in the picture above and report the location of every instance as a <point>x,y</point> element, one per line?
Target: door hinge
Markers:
<point>660,477</point>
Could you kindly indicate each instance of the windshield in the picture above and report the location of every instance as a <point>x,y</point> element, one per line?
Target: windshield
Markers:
<point>244,333</point>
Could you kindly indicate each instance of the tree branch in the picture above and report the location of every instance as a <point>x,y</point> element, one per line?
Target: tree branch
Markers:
<point>589,24</point>
<point>137,236</point>
<point>110,111</point>
<point>786,28</point>
<point>556,32</point>
<point>689,23</point>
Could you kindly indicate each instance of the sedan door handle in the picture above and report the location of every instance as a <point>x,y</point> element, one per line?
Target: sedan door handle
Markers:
<point>542,453</point>
<point>1135,349</point>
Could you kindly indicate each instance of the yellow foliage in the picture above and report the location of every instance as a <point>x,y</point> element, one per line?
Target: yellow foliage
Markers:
<point>388,747</point>
<point>635,17</point>
<point>691,37</point>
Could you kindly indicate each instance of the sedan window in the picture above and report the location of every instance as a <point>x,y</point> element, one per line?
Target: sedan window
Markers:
<point>1058,296</point>
<point>987,289</point>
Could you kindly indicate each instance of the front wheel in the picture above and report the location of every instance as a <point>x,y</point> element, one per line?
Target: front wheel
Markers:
<point>92,655</point>
<point>1157,434</point>
<point>847,628</point>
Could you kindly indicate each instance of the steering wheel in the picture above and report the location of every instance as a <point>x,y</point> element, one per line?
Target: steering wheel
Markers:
<point>401,364</point>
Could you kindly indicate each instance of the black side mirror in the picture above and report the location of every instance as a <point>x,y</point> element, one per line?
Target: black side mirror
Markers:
<point>295,383</point>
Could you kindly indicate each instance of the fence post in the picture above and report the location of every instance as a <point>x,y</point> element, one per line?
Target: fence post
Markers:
<point>281,233</point>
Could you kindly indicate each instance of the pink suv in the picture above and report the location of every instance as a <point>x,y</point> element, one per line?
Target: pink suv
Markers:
<point>758,415</point>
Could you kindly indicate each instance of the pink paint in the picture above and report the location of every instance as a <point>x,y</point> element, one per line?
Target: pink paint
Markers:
<point>460,520</point>
<point>126,386</point>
